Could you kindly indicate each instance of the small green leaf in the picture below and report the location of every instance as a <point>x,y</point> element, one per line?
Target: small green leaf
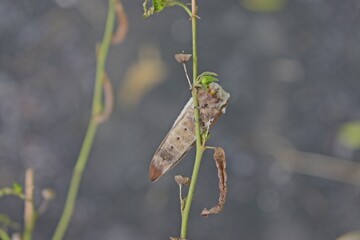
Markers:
<point>349,135</point>
<point>206,78</point>
<point>157,6</point>
<point>17,188</point>
<point>208,74</point>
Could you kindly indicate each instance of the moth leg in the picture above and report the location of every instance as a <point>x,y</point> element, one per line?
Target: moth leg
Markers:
<point>205,134</point>
<point>205,105</point>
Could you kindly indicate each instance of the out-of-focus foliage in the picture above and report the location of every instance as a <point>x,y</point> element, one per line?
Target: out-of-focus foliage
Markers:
<point>263,5</point>
<point>349,135</point>
<point>355,235</point>
<point>6,222</point>
<point>142,76</point>
<point>15,190</point>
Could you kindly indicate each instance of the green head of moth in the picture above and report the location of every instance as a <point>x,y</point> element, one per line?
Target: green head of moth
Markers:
<point>206,78</point>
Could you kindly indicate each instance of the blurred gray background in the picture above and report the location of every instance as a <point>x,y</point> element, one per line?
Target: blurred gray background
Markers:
<point>292,68</point>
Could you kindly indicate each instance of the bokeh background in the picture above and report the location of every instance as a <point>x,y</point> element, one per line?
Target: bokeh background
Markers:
<point>291,131</point>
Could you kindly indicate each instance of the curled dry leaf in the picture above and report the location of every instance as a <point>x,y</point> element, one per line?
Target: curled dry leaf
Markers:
<point>48,194</point>
<point>123,25</point>
<point>108,101</point>
<point>219,157</point>
<point>182,180</point>
<point>182,57</point>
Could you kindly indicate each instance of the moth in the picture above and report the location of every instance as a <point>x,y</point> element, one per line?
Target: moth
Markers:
<point>181,137</point>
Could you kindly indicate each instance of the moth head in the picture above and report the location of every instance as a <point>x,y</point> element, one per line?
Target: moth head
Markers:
<point>215,90</point>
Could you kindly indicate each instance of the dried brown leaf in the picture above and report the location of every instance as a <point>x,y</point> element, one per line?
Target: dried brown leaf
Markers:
<point>182,57</point>
<point>108,101</point>
<point>175,238</point>
<point>219,157</point>
<point>182,180</point>
<point>48,194</point>
<point>123,26</point>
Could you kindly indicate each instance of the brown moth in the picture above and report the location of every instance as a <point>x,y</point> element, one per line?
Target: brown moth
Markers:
<point>181,137</point>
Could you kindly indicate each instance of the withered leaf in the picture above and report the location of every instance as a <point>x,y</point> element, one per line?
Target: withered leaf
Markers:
<point>123,26</point>
<point>108,100</point>
<point>182,57</point>
<point>219,157</point>
<point>182,180</point>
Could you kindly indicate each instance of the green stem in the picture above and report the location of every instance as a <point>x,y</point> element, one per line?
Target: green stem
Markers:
<point>11,192</point>
<point>30,214</point>
<point>91,130</point>
<point>184,7</point>
<point>75,181</point>
<point>199,148</point>
<point>29,229</point>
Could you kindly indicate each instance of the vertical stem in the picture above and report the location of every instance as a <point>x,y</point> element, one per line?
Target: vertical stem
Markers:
<point>75,181</point>
<point>29,212</point>
<point>91,131</point>
<point>199,148</point>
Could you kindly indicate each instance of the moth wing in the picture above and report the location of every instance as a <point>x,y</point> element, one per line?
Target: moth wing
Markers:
<point>158,166</point>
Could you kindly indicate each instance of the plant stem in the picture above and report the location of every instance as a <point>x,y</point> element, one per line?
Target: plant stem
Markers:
<point>199,147</point>
<point>29,212</point>
<point>184,7</point>
<point>92,127</point>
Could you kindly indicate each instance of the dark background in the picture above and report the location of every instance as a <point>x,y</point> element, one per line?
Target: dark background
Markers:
<point>292,71</point>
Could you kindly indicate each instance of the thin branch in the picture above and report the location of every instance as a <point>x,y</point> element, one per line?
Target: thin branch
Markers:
<point>184,7</point>
<point>187,76</point>
<point>199,148</point>
<point>30,214</point>
<point>312,164</point>
<point>92,128</point>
